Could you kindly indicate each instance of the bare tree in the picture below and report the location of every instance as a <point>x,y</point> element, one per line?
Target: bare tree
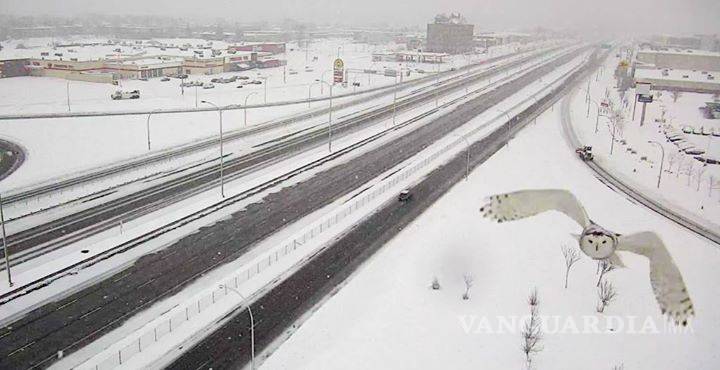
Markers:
<point>675,94</point>
<point>671,159</point>
<point>699,174</point>
<point>621,366</point>
<point>468,279</point>
<point>435,283</point>
<point>571,256</point>
<point>606,294</point>
<point>532,329</point>
<point>604,266</point>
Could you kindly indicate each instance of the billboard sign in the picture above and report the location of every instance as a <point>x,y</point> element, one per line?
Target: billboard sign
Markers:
<point>642,88</point>
<point>338,71</point>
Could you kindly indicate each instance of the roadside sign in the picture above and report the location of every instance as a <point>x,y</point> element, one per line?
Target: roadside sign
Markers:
<point>645,98</point>
<point>338,71</point>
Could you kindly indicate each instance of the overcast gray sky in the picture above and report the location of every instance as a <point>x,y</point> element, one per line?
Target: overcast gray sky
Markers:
<point>657,16</point>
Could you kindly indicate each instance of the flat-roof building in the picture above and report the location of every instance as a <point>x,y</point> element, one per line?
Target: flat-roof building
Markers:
<point>449,34</point>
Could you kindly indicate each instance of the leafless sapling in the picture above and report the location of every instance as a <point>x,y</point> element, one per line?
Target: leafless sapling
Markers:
<point>571,256</point>
<point>675,94</point>
<point>604,266</point>
<point>606,294</point>
<point>532,329</point>
<point>468,279</point>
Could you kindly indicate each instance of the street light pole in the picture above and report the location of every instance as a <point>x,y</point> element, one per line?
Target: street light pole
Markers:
<point>147,126</point>
<point>222,156</point>
<point>5,246</point>
<point>507,142</point>
<point>394,100</point>
<point>662,160</point>
<point>252,325</point>
<point>245,107</point>
<point>266,88</point>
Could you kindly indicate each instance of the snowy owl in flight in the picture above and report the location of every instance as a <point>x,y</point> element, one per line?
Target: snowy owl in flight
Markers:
<point>599,243</point>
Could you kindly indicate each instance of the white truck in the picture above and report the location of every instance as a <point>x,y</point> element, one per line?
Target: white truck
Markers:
<point>119,95</point>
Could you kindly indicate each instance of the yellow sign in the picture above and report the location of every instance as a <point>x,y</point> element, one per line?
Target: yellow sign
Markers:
<point>339,64</point>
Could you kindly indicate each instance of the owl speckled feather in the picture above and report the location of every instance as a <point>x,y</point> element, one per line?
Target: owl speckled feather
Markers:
<point>599,243</point>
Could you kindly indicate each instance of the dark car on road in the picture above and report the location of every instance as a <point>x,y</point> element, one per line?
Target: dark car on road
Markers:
<point>404,196</point>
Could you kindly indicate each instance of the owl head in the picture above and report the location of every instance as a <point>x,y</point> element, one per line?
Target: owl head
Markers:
<point>597,242</point>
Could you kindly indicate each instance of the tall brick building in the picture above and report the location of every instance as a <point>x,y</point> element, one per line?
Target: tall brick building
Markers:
<point>449,34</point>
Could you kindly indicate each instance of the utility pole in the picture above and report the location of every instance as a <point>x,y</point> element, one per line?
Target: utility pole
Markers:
<point>329,114</point>
<point>68,95</point>
<point>5,246</point>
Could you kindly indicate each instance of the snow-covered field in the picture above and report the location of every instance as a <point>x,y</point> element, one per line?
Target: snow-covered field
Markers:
<point>388,317</point>
<point>685,182</point>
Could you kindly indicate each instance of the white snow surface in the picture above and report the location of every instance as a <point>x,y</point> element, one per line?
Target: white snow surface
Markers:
<point>387,317</point>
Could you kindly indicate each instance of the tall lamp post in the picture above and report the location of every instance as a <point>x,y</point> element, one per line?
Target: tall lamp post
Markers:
<point>147,128</point>
<point>222,157</point>
<point>507,142</point>
<point>330,114</point>
<point>662,160</point>
<point>245,107</point>
<point>252,324</point>
<point>68,95</point>
<point>264,78</point>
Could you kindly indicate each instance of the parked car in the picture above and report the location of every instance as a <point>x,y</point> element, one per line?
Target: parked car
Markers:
<point>243,77</point>
<point>165,79</point>
<point>215,80</point>
<point>256,82</point>
<point>239,86</point>
<point>182,76</point>
<point>143,78</point>
<point>119,95</point>
<point>405,196</point>
<point>292,72</point>
<point>208,86</point>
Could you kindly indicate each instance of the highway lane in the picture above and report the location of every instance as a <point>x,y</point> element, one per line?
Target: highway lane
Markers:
<point>164,155</point>
<point>276,313</point>
<point>84,316</point>
<point>65,230</point>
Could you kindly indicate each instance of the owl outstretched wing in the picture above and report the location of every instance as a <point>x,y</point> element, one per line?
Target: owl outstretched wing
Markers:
<point>526,203</point>
<point>665,278</point>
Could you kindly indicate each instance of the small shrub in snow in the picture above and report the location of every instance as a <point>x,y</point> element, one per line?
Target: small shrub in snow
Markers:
<point>604,266</point>
<point>435,284</point>
<point>606,294</point>
<point>468,279</point>
<point>571,256</point>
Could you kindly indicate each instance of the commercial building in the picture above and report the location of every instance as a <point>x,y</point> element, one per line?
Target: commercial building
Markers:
<point>449,34</point>
<point>680,59</point>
